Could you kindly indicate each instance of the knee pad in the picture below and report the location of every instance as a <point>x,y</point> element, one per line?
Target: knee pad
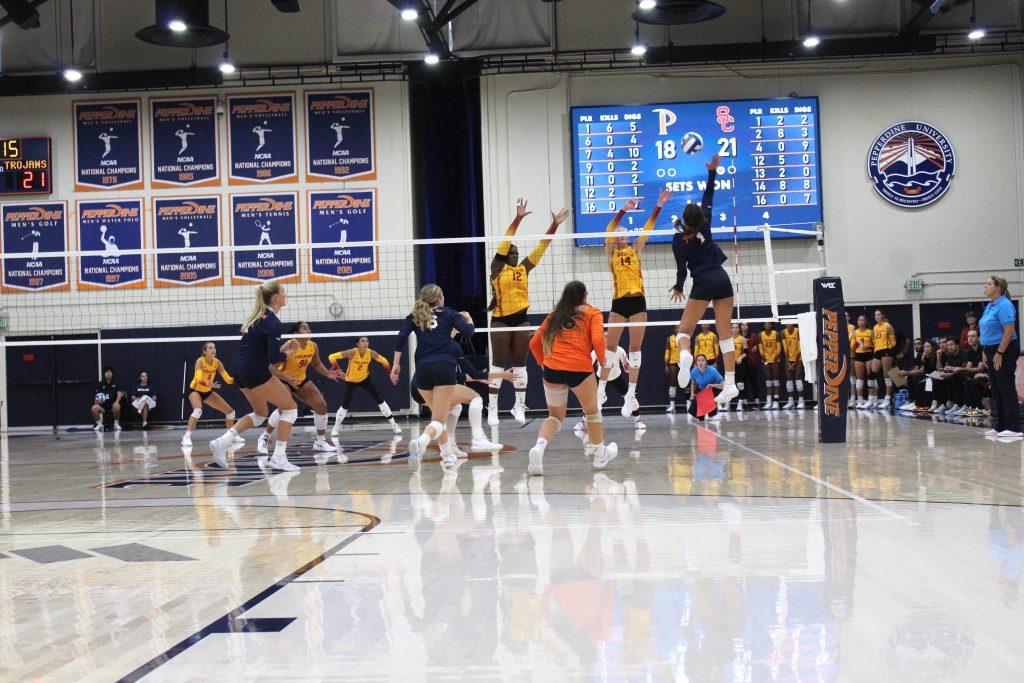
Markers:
<point>872,384</point>
<point>789,385</point>
<point>289,416</point>
<point>859,384</point>
<point>197,413</point>
<point>257,420</point>
<point>230,416</point>
<point>672,391</point>
<point>456,410</point>
<point>888,382</point>
<point>740,385</point>
<point>274,419</point>
<point>634,358</point>
<point>320,422</point>
<point>438,429</point>
<point>519,378</point>
<point>495,383</point>
<point>556,395</point>
<point>594,418</point>
<point>556,421</point>
<point>799,385</point>
<point>727,345</point>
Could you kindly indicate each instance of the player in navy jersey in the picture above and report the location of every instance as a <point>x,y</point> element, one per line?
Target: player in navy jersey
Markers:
<point>436,365</point>
<point>696,251</point>
<point>261,346</point>
<point>143,397</point>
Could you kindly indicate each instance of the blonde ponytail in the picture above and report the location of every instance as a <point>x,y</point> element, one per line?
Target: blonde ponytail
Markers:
<point>263,295</point>
<point>422,310</point>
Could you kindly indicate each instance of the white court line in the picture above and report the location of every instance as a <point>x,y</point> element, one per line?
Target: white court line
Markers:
<point>820,482</point>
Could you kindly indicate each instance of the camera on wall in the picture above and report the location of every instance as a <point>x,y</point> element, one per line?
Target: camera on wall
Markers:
<point>220,109</point>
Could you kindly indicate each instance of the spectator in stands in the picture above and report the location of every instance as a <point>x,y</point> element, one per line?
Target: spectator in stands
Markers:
<point>108,400</point>
<point>1002,349</point>
<point>143,397</point>
<point>703,376</point>
<point>952,379</point>
<point>920,388</point>
<point>972,324</point>
<point>975,377</point>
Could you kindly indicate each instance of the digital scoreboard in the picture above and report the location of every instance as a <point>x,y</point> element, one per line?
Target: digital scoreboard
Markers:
<point>770,163</point>
<point>25,166</point>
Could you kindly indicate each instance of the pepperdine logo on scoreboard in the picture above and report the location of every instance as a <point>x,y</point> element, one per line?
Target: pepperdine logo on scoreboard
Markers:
<point>911,164</point>
<point>339,135</point>
<point>183,136</point>
<point>261,139</point>
<point>108,145</point>
<point>336,219</point>
<point>182,225</point>
<point>105,229</point>
<point>28,230</point>
<point>263,221</point>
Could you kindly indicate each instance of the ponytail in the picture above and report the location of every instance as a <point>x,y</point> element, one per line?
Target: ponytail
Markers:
<point>422,310</point>
<point>573,296</point>
<point>264,293</point>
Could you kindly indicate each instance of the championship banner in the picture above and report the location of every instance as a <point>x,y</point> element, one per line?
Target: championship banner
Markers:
<point>833,364</point>
<point>261,139</point>
<point>107,228</point>
<point>184,142</point>
<point>180,225</point>
<point>108,145</point>
<point>27,230</point>
<point>336,218</point>
<point>339,135</point>
<point>264,220</point>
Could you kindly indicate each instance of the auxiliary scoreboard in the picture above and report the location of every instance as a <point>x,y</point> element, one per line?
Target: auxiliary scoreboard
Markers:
<point>770,168</point>
<point>25,166</point>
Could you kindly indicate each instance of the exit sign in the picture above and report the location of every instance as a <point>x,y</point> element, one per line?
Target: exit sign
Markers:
<point>914,285</point>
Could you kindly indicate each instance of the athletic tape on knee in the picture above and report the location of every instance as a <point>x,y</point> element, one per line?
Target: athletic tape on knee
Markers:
<point>558,423</point>
<point>320,422</point>
<point>519,378</point>
<point>230,416</point>
<point>274,419</point>
<point>635,357</point>
<point>384,409</point>
<point>495,383</point>
<point>257,420</point>
<point>289,416</point>
<point>727,345</point>
<point>197,413</point>
<point>594,418</point>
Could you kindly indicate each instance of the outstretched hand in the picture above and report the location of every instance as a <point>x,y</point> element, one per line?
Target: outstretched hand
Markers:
<point>663,196</point>
<point>713,164</point>
<point>560,217</point>
<point>631,204</point>
<point>521,211</point>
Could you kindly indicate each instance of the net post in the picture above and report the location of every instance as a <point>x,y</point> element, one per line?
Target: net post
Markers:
<point>770,262</point>
<point>833,363</point>
<point>411,357</point>
<point>3,384</point>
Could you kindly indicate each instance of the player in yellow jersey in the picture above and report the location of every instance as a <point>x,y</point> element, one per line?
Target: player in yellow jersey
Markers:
<point>863,355</point>
<point>740,342</point>
<point>850,327</point>
<point>707,345</point>
<point>794,367</point>
<point>884,338</point>
<point>509,307</point>
<point>672,371</point>
<point>629,304</point>
<point>770,348</point>
<point>202,390</point>
<point>357,376</point>
<point>294,373</point>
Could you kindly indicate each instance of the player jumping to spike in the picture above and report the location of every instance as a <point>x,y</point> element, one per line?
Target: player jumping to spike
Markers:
<point>339,130</point>
<point>106,138</point>
<point>183,136</point>
<point>186,235</point>
<point>694,249</point>
<point>262,133</point>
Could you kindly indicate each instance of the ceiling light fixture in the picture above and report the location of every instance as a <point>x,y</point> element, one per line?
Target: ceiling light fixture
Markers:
<point>975,33</point>
<point>431,58</point>
<point>647,4</point>
<point>410,14</point>
<point>812,41</point>
<point>177,25</point>
<point>72,75</point>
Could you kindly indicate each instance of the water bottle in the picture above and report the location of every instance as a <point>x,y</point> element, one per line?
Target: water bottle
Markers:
<point>901,398</point>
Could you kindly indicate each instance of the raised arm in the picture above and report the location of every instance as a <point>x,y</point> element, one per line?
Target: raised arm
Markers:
<point>499,258</point>
<point>681,257</point>
<point>464,324</point>
<point>652,220</point>
<point>708,201</point>
<point>613,225</point>
<point>534,258</point>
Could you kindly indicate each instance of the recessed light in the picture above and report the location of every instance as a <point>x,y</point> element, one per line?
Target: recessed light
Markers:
<point>177,25</point>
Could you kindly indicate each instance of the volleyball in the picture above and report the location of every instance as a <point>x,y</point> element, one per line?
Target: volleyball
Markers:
<point>692,143</point>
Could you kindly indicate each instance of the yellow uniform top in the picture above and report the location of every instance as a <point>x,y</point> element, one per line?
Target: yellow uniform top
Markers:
<point>202,381</point>
<point>358,364</point>
<point>511,292</point>
<point>672,351</point>
<point>296,365</point>
<point>849,333</point>
<point>769,346</point>
<point>707,344</point>
<point>863,340</point>
<point>626,272</point>
<point>791,344</point>
<point>884,336</point>
<point>739,341</point>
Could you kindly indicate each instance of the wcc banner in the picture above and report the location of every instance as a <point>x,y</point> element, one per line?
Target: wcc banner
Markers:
<point>339,135</point>
<point>833,364</point>
<point>263,221</point>
<point>336,218</point>
<point>105,229</point>
<point>108,145</point>
<point>180,225</point>
<point>261,139</point>
<point>183,135</point>
<point>28,230</point>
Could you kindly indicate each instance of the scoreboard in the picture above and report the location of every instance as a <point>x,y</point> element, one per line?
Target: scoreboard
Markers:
<point>770,169</point>
<point>25,166</point>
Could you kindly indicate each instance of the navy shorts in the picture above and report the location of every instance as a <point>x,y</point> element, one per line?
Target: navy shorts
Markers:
<point>711,285</point>
<point>628,306</point>
<point>439,374</point>
<point>252,378</point>
<point>567,377</point>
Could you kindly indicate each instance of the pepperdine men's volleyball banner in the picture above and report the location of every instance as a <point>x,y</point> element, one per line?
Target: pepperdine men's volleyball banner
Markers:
<point>261,139</point>
<point>336,218</point>
<point>833,364</point>
<point>107,229</point>
<point>108,145</point>
<point>339,135</point>
<point>183,138</point>
<point>181,225</point>
<point>28,230</point>
<point>264,220</point>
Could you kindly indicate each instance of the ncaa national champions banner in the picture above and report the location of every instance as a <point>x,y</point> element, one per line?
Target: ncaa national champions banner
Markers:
<point>261,139</point>
<point>264,220</point>
<point>833,365</point>
<point>184,141</point>
<point>28,230</point>
<point>339,135</point>
<point>181,224</point>
<point>336,218</point>
<point>107,228</point>
<point>108,145</point>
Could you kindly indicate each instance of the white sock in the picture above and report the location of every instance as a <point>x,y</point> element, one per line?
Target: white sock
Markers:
<point>542,443</point>
<point>492,402</point>
<point>730,377</point>
<point>279,448</point>
<point>446,447</point>
<point>631,391</point>
<point>384,409</point>
<point>476,417</point>
<point>229,435</point>
<point>601,384</point>
<point>340,415</point>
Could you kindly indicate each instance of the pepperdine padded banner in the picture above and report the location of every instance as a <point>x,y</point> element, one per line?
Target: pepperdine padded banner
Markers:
<point>833,364</point>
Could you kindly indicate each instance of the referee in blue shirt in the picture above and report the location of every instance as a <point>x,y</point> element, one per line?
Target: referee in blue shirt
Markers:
<point>1002,348</point>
